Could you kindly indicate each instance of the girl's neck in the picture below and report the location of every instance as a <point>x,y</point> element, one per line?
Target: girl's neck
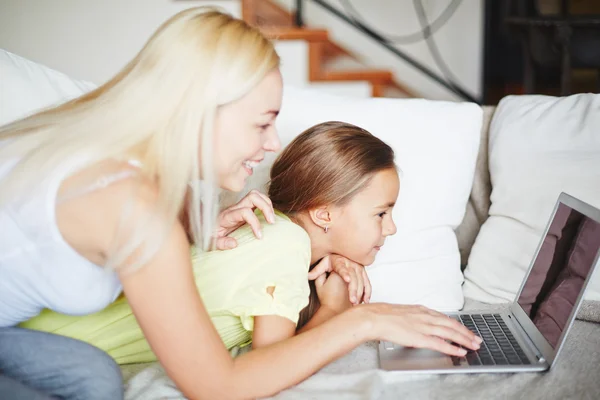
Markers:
<point>319,243</point>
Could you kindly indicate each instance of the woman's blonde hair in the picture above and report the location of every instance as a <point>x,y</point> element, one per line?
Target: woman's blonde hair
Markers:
<point>161,108</point>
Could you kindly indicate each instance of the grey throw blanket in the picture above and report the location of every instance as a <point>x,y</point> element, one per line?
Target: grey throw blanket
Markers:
<point>589,311</point>
<point>576,375</point>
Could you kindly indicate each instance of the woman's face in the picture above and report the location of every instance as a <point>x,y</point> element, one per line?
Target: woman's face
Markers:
<point>359,228</point>
<point>245,131</point>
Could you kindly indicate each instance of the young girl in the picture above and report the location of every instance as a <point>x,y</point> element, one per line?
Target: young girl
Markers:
<point>92,191</point>
<point>333,189</point>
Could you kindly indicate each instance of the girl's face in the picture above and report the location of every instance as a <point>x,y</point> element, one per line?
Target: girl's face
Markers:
<point>359,228</point>
<point>245,131</point>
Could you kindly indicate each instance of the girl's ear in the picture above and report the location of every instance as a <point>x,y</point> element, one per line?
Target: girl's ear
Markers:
<point>321,217</point>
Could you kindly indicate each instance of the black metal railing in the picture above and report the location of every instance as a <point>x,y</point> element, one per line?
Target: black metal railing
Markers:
<point>385,43</point>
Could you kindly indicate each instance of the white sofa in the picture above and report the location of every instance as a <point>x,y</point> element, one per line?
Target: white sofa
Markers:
<point>471,195</point>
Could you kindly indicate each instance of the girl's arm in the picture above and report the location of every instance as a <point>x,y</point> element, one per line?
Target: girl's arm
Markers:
<point>333,297</point>
<point>269,329</point>
<point>354,274</point>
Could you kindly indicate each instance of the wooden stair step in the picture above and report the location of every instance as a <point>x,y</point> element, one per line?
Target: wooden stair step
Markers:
<point>270,16</point>
<point>284,33</point>
<point>330,49</point>
<point>276,23</point>
<point>370,75</point>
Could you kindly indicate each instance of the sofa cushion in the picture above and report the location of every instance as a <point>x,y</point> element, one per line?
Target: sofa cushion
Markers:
<point>26,87</point>
<point>539,146</point>
<point>479,200</point>
<point>436,145</point>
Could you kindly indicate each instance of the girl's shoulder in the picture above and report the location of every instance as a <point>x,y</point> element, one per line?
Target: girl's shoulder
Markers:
<point>283,234</point>
<point>281,242</point>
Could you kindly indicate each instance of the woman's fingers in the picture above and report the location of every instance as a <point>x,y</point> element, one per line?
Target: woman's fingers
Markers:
<point>243,212</point>
<point>245,215</point>
<point>264,196</point>
<point>264,204</point>
<point>448,328</point>
<point>225,243</point>
<point>455,336</point>
<point>418,326</point>
<point>435,343</point>
<point>461,329</point>
<point>255,199</point>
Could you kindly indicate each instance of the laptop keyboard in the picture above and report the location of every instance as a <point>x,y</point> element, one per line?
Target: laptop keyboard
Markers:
<point>499,346</point>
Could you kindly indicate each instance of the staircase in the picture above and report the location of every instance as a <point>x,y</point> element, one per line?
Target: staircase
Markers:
<point>329,66</point>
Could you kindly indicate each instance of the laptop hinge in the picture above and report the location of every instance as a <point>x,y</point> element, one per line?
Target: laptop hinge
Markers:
<point>538,354</point>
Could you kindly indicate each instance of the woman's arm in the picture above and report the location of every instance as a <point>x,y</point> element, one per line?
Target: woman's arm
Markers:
<point>166,303</point>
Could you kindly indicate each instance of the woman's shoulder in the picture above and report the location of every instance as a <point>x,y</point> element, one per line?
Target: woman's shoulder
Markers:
<point>93,206</point>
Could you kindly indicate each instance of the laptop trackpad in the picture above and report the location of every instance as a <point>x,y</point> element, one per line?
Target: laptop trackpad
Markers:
<point>414,359</point>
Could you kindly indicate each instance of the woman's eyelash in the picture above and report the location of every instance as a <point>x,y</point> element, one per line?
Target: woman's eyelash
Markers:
<point>381,214</point>
<point>264,127</point>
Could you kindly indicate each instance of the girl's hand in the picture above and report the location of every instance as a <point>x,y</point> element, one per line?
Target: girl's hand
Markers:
<point>332,292</point>
<point>354,274</point>
<point>243,213</point>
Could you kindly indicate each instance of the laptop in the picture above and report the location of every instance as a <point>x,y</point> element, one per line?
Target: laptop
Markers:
<point>530,333</point>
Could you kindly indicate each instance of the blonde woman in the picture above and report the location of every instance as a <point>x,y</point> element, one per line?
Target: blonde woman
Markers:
<point>92,192</point>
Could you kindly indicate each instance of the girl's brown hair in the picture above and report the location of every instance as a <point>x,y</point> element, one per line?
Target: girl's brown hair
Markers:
<point>327,164</point>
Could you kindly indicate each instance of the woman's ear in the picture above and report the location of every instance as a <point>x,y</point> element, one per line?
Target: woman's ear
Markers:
<point>321,217</point>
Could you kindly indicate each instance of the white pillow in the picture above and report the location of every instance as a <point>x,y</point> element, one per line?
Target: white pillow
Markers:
<point>539,146</point>
<point>436,145</point>
<point>26,87</point>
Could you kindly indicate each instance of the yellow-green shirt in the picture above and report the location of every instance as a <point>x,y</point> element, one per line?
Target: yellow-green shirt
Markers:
<point>233,286</point>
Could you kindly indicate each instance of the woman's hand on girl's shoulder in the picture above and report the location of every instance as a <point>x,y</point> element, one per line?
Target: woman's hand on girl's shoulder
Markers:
<point>354,274</point>
<point>243,213</point>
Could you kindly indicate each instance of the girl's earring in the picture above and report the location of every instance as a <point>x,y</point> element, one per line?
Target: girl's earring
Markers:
<point>326,228</point>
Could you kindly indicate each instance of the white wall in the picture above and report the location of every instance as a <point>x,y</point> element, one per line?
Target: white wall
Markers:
<point>87,39</point>
<point>460,41</point>
<point>93,39</point>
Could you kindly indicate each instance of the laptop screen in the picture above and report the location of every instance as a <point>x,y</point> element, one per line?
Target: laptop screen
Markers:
<point>559,271</point>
